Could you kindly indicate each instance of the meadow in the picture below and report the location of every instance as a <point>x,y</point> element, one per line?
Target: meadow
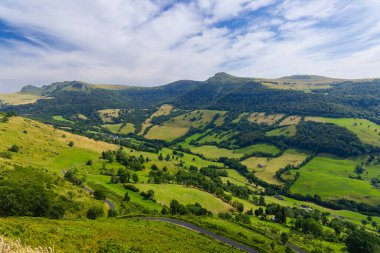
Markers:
<point>329,178</point>
<point>164,193</point>
<point>262,118</point>
<point>109,115</point>
<point>180,125</point>
<point>163,110</point>
<point>128,235</point>
<point>61,118</point>
<point>287,131</point>
<point>367,131</point>
<point>120,128</point>
<point>266,168</point>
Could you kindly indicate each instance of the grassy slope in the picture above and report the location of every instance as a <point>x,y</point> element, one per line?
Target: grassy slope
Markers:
<point>162,111</point>
<point>367,131</point>
<point>286,131</point>
<point>180,125</point>
<point>164,193</point>
<point>328,177</point>
<point>61,118</point>
<point>119,128</point>
<point>86,236</point>
<point>271,165</point>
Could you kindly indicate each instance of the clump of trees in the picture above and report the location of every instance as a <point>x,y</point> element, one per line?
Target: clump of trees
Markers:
<point>94,212</point>
<point>179,209</point>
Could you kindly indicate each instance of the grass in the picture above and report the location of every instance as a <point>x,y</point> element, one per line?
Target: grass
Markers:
<point>262,118</point>
<point>18,98</point>
<point>261,147</point>
<point>328,177</point>
<point>62,119</point>
<point>287,131</point>
<point>109,115</point>
<point>214,152</point>
<point>180,125</point>
<point>120,128</point>
<point>162,111</point>
<point>265,168</point>
<point>189,159</point>
<point>367,131</point>
<point>164,193</point>
<point>45,147</point>
<point>166,133</point>
<point>291,120</point>
<point>216,137</point>
<point>130,234</point>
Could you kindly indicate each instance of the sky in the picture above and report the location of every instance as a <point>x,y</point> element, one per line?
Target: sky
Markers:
<point>154,42</point>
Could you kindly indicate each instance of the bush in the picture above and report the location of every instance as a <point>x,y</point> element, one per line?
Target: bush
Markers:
<point>94,212</point>
<point>71,143</point>
<point>14,148</point>
<point>99,194</point>
<point>6,155</point>
<point>131,187</point>
<point>112,213</point>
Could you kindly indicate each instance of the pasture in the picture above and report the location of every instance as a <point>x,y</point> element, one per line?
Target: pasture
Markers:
<point>266,168</point>
<point>109,115</point>
<point>62,119</point>
<point>288,131</point>
<point>163,110</point>
<point>263,118</point>
<point>290,120</point>
<point>120,128</point>
<point>164,193</point>
<point>329,178</point>
<point>367,131</point>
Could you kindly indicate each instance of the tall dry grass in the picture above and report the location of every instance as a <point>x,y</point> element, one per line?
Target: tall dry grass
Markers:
<point>15,246</point>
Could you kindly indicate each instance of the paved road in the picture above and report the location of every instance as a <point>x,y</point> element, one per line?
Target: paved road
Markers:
<point>202,231</point>
<point>211,234</point>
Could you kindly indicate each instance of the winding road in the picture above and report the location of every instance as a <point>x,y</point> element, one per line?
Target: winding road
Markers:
<point>202,231</point>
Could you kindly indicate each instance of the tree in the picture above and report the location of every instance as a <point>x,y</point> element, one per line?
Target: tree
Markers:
<point>71,144</point>
<point>99,194</point>
<point>160,157</point>
<point>89,162</point>
<point>167,158</point>
<point>94,212</point>
<point>284,238</point>
<point>288,250</point>
<point>126,197</point>
<point>262,201</point>
<point>112,213</point>
<point>364,222</point>
<point>363,242</point>
<point>135,177</point>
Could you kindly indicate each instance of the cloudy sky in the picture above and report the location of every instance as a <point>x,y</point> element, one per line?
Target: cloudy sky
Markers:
<point>152,42</point>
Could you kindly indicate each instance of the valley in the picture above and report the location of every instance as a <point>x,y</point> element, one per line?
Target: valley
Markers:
<point>266,165</point>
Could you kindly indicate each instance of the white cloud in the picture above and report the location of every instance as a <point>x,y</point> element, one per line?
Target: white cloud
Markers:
<point>150,42</point>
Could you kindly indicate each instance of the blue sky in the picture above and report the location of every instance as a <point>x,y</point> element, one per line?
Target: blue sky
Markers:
<point>152,42</point>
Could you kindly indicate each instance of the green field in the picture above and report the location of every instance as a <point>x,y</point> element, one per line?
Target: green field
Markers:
<point>328,177</point>
<point>132,235</point>
<point>180,125</point>
<point>214,152</point>
<point>120,128</point>
<point>367,131</point>
<point>288,131</point>
<point>265,168</point>
<point>164,193</point>
<point>61,118</point>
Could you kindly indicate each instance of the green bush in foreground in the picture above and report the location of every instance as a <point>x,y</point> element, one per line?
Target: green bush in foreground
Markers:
<point>94,212</point>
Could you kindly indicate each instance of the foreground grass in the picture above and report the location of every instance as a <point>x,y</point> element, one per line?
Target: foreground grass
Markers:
<point>88,236</point>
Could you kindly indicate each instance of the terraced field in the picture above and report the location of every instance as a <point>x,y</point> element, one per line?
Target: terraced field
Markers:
<point>266,168</point>
<point>329,178</point>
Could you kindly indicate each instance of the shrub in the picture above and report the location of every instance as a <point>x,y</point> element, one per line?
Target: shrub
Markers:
<point>71,143</point>
<point>6,155</point>
<point>99,194</point>
<point>112,213</point>
<point>94,212</point>
<point>131,187</point>
<point>14,148</point>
